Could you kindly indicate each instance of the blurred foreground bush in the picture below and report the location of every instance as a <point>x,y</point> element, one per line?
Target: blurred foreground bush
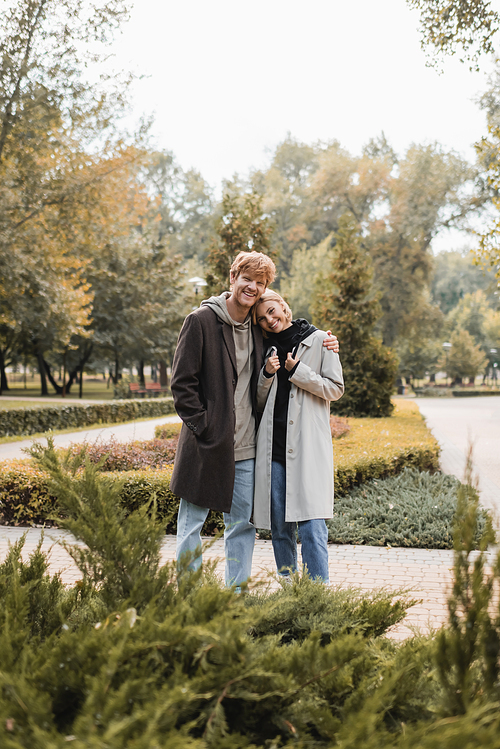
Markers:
<point>132,657</point>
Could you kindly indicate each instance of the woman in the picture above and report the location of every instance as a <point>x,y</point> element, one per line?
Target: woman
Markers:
<point>294,460</point>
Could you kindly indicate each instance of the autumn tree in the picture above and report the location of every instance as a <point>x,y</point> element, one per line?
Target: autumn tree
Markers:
<point>449,26</point>
<point>240,227</point>
<point>345,303</point>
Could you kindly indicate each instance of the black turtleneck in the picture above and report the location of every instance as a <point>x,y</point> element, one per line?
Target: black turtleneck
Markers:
<point>285,342</point>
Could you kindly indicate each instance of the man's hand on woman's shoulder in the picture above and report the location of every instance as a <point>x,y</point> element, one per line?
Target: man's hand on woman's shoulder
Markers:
<point>331,342</point>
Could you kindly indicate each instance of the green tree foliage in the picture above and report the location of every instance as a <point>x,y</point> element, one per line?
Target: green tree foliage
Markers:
<point>427,194</point>
<point>464,359</point>
<point>470,314</point>
<point>454,275</point>
<point>284,187</point>
<point>49,116</point>
<point>418,358</point>
<point>299,286</point>
<point>400,203</point>
<point>184,202</point>
<point>488,150</point>
<point>344,301</point>
<point>240,227</point>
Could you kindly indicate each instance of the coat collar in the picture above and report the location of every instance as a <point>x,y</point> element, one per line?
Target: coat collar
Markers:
<point>227,333</point>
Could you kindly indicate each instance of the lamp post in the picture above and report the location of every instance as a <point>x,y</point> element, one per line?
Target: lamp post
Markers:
<point>198,283</point>
<point>493,353</point>
<point>446,347</point>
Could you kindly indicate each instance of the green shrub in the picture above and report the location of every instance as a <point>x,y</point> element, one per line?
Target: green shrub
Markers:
<point>25,497</point>
<point>36,420</point>
<point>413,509</point>
<point>167,431</point>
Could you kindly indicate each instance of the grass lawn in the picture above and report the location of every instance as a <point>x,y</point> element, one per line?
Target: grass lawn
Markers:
<point>93,389</point>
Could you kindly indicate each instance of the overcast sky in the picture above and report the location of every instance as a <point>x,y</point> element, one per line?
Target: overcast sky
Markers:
<point>227,79</point>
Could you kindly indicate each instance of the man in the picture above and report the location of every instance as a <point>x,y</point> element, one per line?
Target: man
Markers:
<point>214,380</point>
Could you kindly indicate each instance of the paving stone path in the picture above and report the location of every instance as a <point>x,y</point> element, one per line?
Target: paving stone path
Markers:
<point>426,573</point>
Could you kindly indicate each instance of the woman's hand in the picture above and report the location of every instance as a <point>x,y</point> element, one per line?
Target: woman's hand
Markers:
<point>290,362</point>
<point>272,364</point>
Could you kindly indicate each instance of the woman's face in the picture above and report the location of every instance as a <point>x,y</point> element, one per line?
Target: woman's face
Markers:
<point>271,317</point>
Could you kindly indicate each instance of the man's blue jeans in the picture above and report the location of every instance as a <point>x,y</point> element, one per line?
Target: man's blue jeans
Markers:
<point>239,534</point>
<point>313,534</point>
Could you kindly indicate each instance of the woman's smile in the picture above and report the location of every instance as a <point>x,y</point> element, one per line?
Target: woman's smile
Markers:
<point>271,317</point>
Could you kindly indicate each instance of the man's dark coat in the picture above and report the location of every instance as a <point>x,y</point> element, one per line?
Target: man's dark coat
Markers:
<point>203,384</point>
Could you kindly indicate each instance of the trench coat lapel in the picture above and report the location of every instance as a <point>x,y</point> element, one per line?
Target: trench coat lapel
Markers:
<point>227,333</point>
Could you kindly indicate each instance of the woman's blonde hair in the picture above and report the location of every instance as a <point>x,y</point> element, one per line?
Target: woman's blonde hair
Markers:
<point>271,296</point>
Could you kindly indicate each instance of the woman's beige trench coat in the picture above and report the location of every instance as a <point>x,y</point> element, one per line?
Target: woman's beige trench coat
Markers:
<point>309,452</point>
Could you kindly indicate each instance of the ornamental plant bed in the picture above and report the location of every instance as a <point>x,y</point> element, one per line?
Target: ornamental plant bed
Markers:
<point>415,509</point>
<point>25,497</point>
<point>129,456</point>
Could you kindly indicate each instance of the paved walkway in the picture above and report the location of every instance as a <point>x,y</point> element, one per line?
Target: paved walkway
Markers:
<point>458,422</point>
<point>134,430</point>
<point>426,573</point>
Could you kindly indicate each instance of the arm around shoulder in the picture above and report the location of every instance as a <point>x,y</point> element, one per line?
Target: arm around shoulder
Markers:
<point>328,383</point>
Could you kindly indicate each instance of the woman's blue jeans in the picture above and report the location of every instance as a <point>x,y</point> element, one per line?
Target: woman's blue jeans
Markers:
<point>313,534</point>
<point>239,533</point>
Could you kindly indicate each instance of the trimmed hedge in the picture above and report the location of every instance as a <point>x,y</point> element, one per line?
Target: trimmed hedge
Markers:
<point>25,497</point>
<point>379,448</point>
<point>35,420</point>
<point>168,431</point>
<point>472,393</point>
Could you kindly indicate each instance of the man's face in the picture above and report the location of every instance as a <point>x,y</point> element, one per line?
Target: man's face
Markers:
<point>247,288</point>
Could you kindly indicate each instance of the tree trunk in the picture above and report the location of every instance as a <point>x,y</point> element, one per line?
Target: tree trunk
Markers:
<point>4,385</point>
<point>163,374</point>
<point>432,379</point>
<point>140,372</point>
<point>52,380</point>
<point>43,375</point>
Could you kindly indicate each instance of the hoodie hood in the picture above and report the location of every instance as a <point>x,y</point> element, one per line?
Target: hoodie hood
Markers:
<point>219,306</point>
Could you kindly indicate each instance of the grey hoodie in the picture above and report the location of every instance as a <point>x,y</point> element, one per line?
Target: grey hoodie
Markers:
<point>244,432</point>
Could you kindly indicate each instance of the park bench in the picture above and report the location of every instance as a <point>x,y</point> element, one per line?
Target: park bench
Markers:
<point>136,389</point>
<point>151,389</point>
<point>154,388</point>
